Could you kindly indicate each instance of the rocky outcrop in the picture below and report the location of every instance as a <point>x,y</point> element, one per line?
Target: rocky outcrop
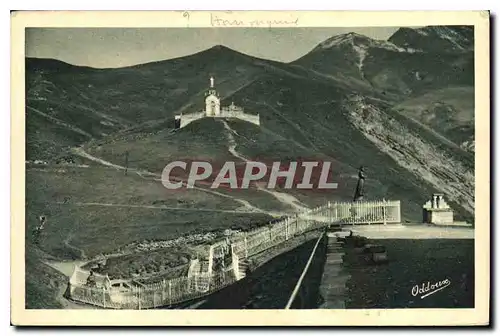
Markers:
<point>441,170</point>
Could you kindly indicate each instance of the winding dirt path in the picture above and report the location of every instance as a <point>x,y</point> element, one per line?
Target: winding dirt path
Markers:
<point>159,207</point>
<point>67,242</point>
<point>59,122</point>
<point>284,198</point>
<point>157,177</point>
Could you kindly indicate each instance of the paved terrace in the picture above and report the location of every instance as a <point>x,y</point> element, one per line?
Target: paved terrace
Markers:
<point>412,231</point>
<point>334,278</point>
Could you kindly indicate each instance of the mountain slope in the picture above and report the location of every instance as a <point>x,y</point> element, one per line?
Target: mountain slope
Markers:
<point>449,111</point>
<point>394,70</point>
<point>301,118</point>
<point>295,102</point>
<point>323,123</point>
<point>438,39</point>
<point>67,105</point>
<point>426,73</point>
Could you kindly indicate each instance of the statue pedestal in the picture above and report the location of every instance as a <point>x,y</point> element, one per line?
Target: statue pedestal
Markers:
<point>437,211</point>
<point>438,216</point>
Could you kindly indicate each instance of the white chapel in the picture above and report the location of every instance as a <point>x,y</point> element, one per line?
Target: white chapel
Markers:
<point>212,101</point>
<point>213,109</point>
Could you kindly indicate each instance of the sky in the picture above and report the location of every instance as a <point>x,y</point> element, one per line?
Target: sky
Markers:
<point>119,47</point>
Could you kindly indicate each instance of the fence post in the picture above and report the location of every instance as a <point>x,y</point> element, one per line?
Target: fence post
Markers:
<point>336,214</point>
<point>246,246</point>
<point>286,228</point>
<point>163,291</point>
<point>367,212</point>
<point>103,298</point>
<point>398,211</point>
<point>139,296</point>
<point>170,290</point>
<point>384,213</point>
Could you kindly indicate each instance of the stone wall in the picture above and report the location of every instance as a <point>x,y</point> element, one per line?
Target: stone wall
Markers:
<point>189,118</point>
<point>186,119</point>
<point>254,119</point>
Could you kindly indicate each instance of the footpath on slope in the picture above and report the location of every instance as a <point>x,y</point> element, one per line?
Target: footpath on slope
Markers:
<point>284,198</point>
<point>157,177</point>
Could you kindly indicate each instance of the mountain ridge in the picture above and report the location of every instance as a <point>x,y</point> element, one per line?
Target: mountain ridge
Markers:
<point>461,44</point>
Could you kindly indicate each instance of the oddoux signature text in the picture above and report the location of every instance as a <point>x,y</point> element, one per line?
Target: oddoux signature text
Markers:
<point>426,289</point>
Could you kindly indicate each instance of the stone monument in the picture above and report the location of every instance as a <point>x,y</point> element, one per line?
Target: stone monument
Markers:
<point>437,211</point>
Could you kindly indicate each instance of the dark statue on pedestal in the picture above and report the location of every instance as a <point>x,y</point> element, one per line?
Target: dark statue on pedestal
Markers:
<point>358,195</point>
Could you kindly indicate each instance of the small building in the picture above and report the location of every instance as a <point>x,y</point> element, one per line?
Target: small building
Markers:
<point>437,211</point>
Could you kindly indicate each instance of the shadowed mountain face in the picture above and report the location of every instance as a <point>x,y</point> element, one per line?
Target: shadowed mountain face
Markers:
<point>68,105</point>
<point>439,39</point>
<point>398,67</point>
<point>403,107</point>
<point>426,73</point>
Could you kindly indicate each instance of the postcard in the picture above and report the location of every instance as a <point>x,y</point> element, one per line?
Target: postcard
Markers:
<point>250,168</point>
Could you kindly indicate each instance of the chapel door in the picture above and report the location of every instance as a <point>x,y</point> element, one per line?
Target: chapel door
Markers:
<point>212,108</point>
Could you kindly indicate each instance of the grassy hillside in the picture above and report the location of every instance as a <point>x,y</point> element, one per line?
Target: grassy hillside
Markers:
<point>151,151</point>
<point>415,73</point>
<point>76,104</point>
<point>301,119</point>
<point>68,105</point>
<point>301,116</point>
<point>449,111</point>
<point>98,210</point>
<point>43,283</point>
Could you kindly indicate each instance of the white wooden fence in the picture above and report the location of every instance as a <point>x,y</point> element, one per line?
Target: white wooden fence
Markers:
<point>201,283</point>
<point>378,212</point>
